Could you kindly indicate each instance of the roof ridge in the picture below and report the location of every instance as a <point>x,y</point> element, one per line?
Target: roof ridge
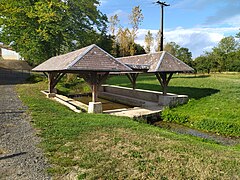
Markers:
<point>88,48</point>
<point>160,61</point>
<point>147,54</point>
<point>115,59</point>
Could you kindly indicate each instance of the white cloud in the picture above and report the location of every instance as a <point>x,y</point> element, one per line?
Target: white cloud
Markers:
<point>122,16</point>
<point>197,40</point>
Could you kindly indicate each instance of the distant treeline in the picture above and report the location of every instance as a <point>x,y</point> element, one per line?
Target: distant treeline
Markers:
<point>224,57</point>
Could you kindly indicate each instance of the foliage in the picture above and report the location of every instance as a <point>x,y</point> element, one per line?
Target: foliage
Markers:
<point>148,41</point>
<point>124,38</point>
<point>114,23</point>
<point>169,116</point>
<point>90,146</point>
<point>124,44</point>
<point>135,20</point>
<point>179,52</point>
<point>158,40</point>
<point>41,29</point>
<point>202,64</point>
<point>224,57</point>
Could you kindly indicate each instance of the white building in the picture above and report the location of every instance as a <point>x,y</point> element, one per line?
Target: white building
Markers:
<point>10,55</point>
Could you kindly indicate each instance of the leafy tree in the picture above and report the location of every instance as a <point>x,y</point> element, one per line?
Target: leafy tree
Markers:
<point>158,40</point>
<point>135,20</point>
<point>226,45</point>
<point>123,39</point>
<point>181,53</point>
<point>205,63</point>
<point>114,23</point>
<point>139,49</point>
<point>148,41</point>
<point>40,29</point>
<point>221,51</point>
<point>185,55</point>
<point>233,61</point>
<point>172,48</point>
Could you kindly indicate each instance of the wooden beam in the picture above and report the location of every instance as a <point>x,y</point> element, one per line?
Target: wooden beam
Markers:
<point>102,78</point>
<point>133,78</point>
<point>45,74</point>
<point>169,77</point>
<point>159,78</point>
<point>53,79</point>
<point>164,80</point>
<point>58,78</point>
<point>95,80</point>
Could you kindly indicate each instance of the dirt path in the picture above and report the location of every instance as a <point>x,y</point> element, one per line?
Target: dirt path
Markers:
<point>19,156</point>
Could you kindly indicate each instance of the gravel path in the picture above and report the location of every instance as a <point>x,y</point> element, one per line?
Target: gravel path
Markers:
<point>20,158</point>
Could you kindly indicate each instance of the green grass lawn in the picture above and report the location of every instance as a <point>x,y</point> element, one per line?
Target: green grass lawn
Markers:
<point>88,146</point>
<point>214,100</point>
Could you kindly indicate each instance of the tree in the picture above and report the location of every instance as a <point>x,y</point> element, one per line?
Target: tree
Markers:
<point>206,63</point>
<point>185,55</point>
<point>139,49</point>
<point>179,52</point>
<point>158,41</point>
<point>221,51</point>
<point>123,39</point>
<point>172,48</point>
<point>135,20</point>
<point>148,41</point>
<point>114,23</point>
<point>40,29</point>
<point>226,45</point>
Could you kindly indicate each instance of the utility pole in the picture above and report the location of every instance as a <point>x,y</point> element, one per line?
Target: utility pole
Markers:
<point>161,29</point>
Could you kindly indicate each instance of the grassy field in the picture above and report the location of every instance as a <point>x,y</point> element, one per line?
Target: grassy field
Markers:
<point>214,100</point>
<point>88,146</point>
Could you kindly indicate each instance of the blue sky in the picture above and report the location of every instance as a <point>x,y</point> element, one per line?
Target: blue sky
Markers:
<point>196,24</point>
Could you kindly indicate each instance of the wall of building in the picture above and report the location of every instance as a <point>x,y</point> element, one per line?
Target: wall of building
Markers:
<point>10,55</point>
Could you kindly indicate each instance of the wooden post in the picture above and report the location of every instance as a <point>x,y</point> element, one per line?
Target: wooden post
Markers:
<point>94,93</point>
<point>50,82</point>
<point>164,80</point>
<point>95,79</point>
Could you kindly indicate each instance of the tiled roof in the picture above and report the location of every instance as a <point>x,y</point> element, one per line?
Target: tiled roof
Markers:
<point>157,62</point>
<point>91,58</point>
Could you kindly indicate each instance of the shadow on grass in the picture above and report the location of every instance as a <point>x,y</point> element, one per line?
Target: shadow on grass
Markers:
<point>192,76</point>
<point>195,93</point>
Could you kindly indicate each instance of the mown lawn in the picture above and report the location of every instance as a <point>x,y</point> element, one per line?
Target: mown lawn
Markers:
<point>88,146</point>
<point>214,100</point>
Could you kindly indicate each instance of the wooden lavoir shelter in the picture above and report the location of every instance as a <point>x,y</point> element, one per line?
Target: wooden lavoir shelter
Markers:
<point>94,65</point>
<point>162,64</point>
<point>91,63</point>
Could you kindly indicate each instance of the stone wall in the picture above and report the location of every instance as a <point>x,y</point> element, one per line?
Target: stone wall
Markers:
<point>140,97</point>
